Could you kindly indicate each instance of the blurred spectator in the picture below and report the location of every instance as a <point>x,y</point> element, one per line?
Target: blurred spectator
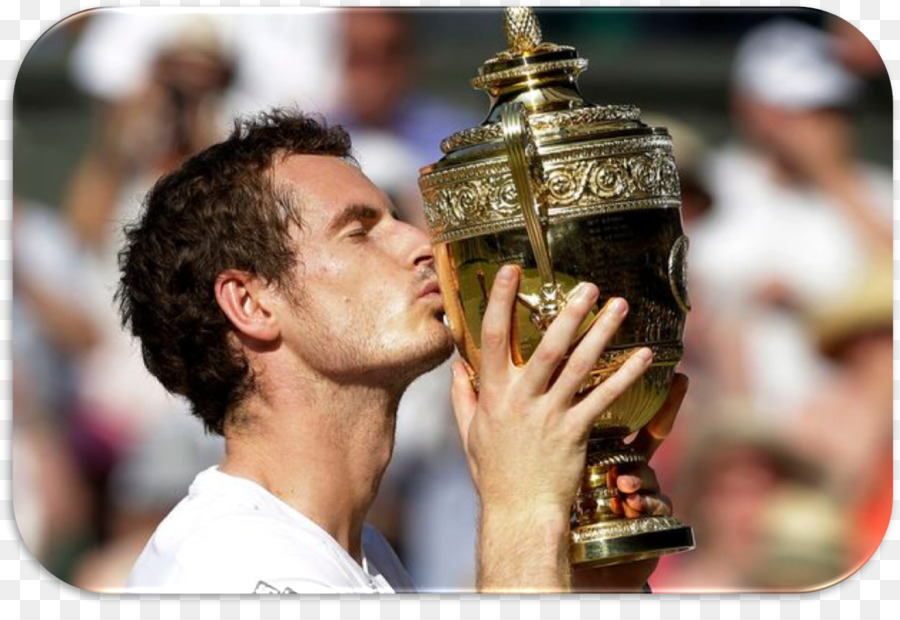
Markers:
<point>854,50</point>
<point>53,323</point>
<point>378,95</point>
<point>728,481</point>
<point>165,114</point>
<point>804,540</point>
<point>142,135</point>
<point>279,59</point>
<point>150,479</point>
<point>54,328</point>
<point>847,424</point>
<point>796,213</point>
<point>378,88</point>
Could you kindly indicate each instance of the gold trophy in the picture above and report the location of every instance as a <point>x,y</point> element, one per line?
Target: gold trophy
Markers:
<point>570,191</point>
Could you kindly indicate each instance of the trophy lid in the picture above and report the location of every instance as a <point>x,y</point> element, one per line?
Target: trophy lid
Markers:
<point>542,76</point>
<point>543,151</point>
<point>528,59</point>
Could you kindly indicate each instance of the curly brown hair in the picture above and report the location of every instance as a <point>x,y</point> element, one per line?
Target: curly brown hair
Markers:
<point>218,211</point>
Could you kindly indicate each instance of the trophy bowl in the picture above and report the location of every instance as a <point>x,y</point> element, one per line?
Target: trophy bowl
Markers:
<point>569,191</point>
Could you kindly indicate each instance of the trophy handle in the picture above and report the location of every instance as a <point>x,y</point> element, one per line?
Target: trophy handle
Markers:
<point>527,177</point>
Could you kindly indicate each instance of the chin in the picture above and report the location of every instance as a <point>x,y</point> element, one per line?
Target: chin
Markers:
<point>426,354</point>
<point>438,348</point>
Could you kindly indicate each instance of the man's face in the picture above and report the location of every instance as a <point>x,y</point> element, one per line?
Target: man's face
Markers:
<point>369,309</point>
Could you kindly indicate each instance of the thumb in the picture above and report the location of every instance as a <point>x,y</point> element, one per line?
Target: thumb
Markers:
<point>655,432</point>
<point>464,400</point>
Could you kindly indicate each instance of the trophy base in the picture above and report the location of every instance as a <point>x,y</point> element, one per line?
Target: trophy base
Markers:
<point>628,540</point>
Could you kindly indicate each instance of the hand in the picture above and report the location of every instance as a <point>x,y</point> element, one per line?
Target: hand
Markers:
<point>639,490</point>
<point>525,434</point>
<point>637,482</point>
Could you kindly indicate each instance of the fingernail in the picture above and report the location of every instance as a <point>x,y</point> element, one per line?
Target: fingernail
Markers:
<point>627,484</point>
<point>645,355</point>
<point>617,305</point>
<point>585,291</point>
<point>506,273</point>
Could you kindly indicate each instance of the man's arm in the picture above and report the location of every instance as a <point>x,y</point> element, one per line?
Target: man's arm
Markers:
<point>525,435</point>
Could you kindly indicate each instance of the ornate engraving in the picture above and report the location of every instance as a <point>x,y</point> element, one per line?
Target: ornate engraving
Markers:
<point>523,32</point>
<point>612,179</point>
<point>573,65</point>
<point>567,184</point>
<point>598,178</point>
<point>623,527</point>
<point>582,118</point>
<point>599,459</point>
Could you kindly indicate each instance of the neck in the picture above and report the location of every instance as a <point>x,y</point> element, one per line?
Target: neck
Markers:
<point>318,446</point>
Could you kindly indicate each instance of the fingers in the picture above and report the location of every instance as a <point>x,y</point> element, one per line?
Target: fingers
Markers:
<point>585,355</point>
<point>652,435</point>
<point>637,493</point>
<point>638,479</point>
<point>602,396</point>
<point>464,401</point>
<point>646,505</point>
<point>496,324</point>
<point>558,338</point>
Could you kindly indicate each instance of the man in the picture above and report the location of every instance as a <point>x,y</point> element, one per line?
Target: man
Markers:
<point>269,284</point>
<point>798,213</point>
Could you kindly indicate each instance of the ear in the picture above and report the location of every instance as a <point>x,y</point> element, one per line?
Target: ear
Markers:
<point>248,304</point>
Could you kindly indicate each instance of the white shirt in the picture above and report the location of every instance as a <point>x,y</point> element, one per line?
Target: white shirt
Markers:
<point>230,535</point>
<point>762,231</point>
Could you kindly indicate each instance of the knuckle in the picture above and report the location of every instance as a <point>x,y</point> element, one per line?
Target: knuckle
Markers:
<point>492,338</point>
<point>579,366</point>
<point>550,355</point>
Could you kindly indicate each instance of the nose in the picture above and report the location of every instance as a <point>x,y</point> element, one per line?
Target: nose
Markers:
<point>420,252</point>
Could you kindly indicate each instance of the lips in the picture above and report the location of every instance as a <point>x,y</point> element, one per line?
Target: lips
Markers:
<point>430,288</point>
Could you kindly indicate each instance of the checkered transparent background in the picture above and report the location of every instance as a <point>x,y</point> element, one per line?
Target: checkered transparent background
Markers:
<point>28,591</point>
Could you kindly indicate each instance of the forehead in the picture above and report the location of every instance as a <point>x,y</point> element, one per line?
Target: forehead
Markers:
<point>325,185</point>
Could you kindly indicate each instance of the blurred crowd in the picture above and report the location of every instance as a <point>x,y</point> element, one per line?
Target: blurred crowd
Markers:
<point>780,459</point>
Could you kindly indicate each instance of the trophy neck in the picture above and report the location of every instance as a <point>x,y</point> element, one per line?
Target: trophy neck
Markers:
<point>539,96</point>
<point>538,74</point>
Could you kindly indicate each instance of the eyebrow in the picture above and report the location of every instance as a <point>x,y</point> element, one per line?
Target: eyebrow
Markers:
<point>353,213</point>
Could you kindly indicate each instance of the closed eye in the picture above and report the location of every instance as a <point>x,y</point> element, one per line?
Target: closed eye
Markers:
<point>355,217</point>
<point>358,232</point>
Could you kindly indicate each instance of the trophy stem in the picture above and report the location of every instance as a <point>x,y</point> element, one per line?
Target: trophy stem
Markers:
<point>599,536</point>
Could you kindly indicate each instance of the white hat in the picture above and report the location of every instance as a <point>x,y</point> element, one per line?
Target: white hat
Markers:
<point>792,65</point>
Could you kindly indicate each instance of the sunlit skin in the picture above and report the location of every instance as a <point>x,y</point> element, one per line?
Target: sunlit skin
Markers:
<point>366,281</point>
<point>331,369</point>
<point>334,350</point>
